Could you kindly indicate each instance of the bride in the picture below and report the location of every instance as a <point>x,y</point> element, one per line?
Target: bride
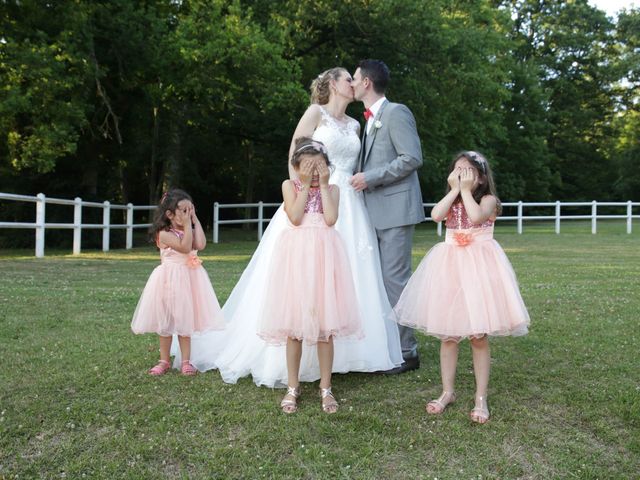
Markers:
<point>238,351</point>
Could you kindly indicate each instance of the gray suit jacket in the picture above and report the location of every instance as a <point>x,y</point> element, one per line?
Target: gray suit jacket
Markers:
<point>389,158</point>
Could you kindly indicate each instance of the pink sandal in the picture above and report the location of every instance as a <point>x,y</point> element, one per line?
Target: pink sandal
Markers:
<point>160,368</point>
<point>188,369</point>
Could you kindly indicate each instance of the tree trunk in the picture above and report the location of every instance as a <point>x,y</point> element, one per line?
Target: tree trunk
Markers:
<point>155,184</point>
<point>248,154</point>
<point>174,158</point>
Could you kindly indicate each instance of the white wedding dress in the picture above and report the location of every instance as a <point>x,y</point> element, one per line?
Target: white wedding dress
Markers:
<point>237,351</point>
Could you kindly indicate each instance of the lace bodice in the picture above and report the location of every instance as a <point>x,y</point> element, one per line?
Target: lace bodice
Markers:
<point>457,218</point>
<point>342,142</point>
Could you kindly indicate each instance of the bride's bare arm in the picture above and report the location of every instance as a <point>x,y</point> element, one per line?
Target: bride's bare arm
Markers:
<point>306,126</point>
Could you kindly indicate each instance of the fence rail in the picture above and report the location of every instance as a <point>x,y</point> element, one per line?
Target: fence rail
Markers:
<point>557,216</point>
<point>40,225</point>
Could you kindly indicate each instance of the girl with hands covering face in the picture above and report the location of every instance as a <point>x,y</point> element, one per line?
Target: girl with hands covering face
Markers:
<point>178,298</point>
<point>465,286</point>
<point>310,295</point>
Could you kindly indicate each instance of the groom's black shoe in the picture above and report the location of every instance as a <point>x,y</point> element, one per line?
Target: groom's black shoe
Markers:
<point>409,364</point>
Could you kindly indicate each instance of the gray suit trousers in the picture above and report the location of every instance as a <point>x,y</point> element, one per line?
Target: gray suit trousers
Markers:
<point>395,259</point>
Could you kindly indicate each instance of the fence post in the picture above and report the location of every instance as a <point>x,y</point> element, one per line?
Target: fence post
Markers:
<point>629,216</point>
<point>106,219</point>
<point>77,225</point>
<point>260,214</point>
<point>520,217</point>
<point>40,222</point>
<point>439,229</point>
<point>216,217</point>
<point>129,241</point>
<point>557,216</point>
<point>594,216</point>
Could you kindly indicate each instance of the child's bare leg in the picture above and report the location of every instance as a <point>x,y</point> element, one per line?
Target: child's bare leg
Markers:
<point>294,354</point>
<point>325,360</point>
<point>481,368</point>
<point>185,347</point>
<point>165,348</point>
<point>185,350</point>
<point>448,366</point>
<point>163,365</point>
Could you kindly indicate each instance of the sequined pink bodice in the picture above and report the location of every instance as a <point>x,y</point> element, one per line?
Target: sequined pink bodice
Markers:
<point>314,199</point>
<point>458,219</point>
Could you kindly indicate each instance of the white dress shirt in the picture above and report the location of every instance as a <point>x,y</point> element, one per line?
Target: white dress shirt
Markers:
<point>374,109</point>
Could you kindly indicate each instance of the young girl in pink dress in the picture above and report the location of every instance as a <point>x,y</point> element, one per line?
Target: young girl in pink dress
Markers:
<point>465,287</point>
<point>310,295</point>
<point>178,298</point>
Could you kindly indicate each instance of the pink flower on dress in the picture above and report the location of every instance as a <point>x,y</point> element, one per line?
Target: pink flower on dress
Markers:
<point>462,239</point>
<point>193,261</point>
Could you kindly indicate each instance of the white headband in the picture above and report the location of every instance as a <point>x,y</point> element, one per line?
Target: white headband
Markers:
<point>477,157</point>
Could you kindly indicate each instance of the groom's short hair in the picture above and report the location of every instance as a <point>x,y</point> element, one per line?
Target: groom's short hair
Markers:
<point>376,71</point>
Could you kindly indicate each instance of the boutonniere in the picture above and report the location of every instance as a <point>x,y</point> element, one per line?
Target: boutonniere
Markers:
<point>377,124</point>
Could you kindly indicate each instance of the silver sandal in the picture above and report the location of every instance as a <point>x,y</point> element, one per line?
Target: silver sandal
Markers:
<point>331,407</point>
<point>438,406</point>
<point>480,414</point>
<point>288,405</point>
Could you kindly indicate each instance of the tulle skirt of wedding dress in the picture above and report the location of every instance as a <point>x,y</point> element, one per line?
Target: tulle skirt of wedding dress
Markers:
<point>238,351</point>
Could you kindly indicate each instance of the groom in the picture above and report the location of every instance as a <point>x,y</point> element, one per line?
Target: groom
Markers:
<point>389,157</point>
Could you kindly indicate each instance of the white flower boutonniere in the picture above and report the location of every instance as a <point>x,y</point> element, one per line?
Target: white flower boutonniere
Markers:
<point>377,124</point>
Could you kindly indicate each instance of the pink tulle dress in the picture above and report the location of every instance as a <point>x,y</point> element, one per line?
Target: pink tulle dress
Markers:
<point>310,294</point>
<point>465,286</point>
<point>178,298</point>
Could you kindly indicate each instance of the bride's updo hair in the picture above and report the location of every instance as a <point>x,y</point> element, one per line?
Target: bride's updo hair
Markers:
<point>321,85</point>
<point>308,146</point>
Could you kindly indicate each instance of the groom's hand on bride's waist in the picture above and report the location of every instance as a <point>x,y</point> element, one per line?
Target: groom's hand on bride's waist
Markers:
<point>358,182</point>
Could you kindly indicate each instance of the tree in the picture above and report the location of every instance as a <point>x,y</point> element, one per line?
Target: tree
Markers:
<point>43,105</point>
<point>121,99</point>
<point>626,143</point>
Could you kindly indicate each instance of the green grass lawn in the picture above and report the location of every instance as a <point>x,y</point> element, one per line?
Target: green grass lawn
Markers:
<point>76,400</point>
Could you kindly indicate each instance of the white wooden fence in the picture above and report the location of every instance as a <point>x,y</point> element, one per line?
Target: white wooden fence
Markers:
<point>40,225</point>
<point>592,209</point>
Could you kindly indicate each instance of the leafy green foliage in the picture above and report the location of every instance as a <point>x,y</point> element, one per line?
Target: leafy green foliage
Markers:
<point>119,100</point>
<point>43,104</point>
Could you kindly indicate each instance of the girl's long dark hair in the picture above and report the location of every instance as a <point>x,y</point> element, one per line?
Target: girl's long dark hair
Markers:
<point>169,201</point>
<point>488,186</point>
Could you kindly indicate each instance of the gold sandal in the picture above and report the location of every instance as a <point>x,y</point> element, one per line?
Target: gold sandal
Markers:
<point>331,406</point>
<point>438,405</point>
<point>289,405</point>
